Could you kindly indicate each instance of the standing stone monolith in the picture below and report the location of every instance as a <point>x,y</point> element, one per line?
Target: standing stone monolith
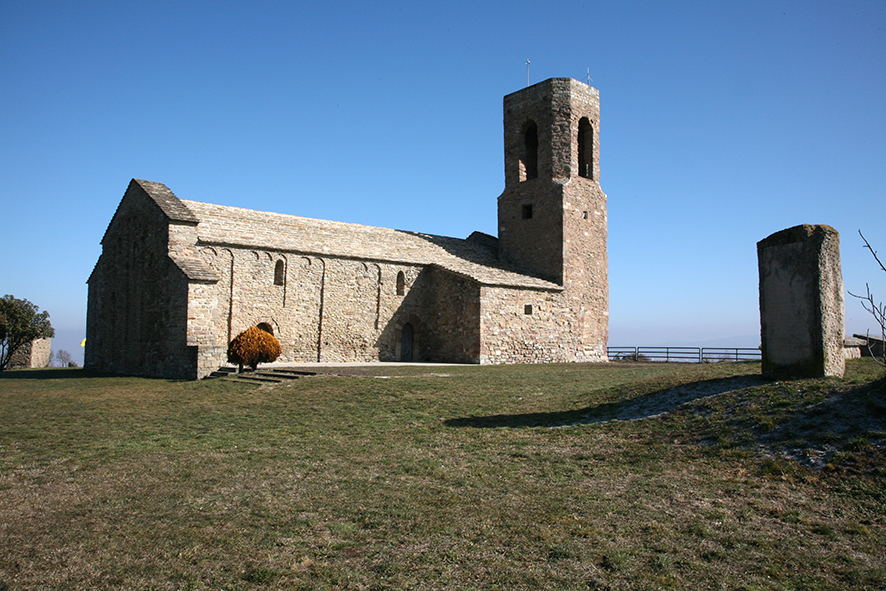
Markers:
<point>801,303</point>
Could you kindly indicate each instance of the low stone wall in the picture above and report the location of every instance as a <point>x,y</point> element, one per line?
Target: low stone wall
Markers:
<point>852,348</point>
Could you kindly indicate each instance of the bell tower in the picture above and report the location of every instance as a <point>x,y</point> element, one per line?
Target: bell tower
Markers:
<point>552,213</point>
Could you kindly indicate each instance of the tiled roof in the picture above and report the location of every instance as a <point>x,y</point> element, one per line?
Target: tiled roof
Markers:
<point>246,228</point>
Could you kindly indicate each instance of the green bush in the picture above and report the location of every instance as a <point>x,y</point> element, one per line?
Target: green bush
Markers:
<point>253,346</point>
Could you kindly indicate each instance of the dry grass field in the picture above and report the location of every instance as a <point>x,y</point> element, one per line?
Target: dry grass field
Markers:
<point>611,476</point>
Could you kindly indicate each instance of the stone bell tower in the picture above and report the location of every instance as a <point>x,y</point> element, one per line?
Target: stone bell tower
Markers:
<point>552,213</point>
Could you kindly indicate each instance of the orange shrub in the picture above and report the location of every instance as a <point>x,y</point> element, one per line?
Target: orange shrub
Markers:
<point>253,346</point>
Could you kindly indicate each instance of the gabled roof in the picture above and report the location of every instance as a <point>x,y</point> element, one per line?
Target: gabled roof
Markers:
<point>245,228</point>
<point>171,206</point>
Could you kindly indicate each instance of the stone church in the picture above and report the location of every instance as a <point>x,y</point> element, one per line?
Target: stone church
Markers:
<point>178,279</point>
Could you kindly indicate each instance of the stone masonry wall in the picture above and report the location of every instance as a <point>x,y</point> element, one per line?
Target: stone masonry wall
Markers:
<point>529,326</point>
<point>31,355</point>
<point>586,263</point>
<point>324,309</point>
<point>454,311</point>
<point>334,310</point>
<point>138,298</point>
<point>555,225</point>
<point>533,243</point>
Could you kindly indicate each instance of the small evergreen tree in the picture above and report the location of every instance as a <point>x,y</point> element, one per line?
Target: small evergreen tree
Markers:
<point>253,346</point>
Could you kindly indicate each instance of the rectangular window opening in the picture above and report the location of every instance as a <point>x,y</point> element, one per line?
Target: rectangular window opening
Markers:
<point>527,211</point>
<point>527,309</point>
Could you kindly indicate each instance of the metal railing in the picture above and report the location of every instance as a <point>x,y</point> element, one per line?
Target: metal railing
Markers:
<point>709,354</point>
<point>683,354</point>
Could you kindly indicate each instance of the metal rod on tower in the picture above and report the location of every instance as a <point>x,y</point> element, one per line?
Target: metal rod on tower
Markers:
<point>527,72</point>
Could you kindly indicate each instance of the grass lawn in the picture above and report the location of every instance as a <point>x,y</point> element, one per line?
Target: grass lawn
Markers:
<point>609,476</point>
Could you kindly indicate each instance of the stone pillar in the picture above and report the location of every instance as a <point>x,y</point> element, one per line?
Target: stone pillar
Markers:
<point>801,303</point>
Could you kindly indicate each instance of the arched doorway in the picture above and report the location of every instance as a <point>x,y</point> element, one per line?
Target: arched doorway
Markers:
<point>406,342</point>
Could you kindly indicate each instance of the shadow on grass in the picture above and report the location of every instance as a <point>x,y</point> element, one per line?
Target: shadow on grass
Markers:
<point>851,421</point>
<point>60,373</point>
<point>68,373</point>
<point>642,407</point>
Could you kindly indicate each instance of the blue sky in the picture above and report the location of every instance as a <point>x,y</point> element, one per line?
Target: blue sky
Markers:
<point>721,123</point>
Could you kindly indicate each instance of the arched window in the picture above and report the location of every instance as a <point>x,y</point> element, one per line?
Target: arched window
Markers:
<point>585,148</point>
<point>266,327</point>
<point>279,270</point>
<point>401,283</point>
<point>529,161</point>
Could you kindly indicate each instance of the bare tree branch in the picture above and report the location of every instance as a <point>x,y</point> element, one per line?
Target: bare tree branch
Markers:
<point>873,252</point>
<point>878,311</point>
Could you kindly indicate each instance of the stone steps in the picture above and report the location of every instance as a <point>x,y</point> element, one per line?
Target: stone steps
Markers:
<point>261,376</point>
